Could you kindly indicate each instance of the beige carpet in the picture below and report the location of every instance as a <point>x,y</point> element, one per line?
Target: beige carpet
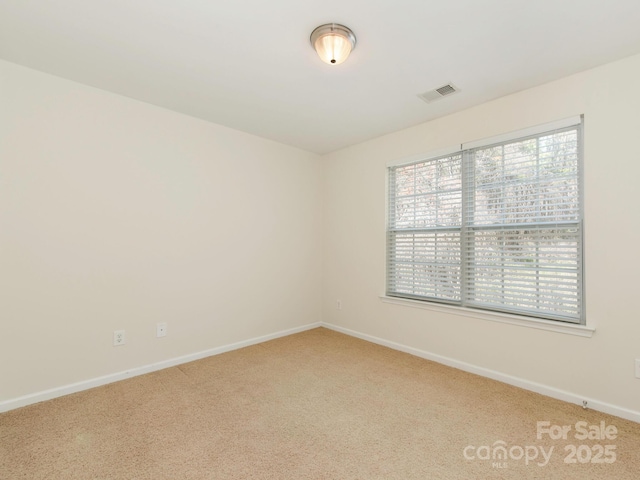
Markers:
<point>316,405</point>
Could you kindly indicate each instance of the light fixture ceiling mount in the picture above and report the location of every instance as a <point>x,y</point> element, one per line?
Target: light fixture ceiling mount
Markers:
<point>333,42</point>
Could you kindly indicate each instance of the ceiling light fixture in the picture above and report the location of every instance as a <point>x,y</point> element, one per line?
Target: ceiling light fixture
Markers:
<point>333,42</point>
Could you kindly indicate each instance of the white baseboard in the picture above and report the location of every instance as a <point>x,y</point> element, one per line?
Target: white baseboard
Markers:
<point>114,377</point>
<point>467,367</point>
<point>552,392</point>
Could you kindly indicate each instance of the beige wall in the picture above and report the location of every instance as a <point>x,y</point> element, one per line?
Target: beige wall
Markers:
<point>601,367</point>
<point>115,214</point>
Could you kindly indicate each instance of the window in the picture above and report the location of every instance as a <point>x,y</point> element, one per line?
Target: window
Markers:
<point>494,226</point>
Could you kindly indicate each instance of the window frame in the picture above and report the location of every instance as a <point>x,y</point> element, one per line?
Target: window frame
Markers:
<point>507,315</point>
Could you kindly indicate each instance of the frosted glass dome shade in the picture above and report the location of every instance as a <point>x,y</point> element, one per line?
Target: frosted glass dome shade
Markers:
<point>333,43</point>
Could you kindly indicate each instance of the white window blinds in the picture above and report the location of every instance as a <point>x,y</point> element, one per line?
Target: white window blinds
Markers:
<point>495,227</point>
<point>424,237</point>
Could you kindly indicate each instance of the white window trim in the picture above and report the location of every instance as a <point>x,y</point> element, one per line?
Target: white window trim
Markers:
<point>526,132</point>
<point>514,135</point>
<point>510,319</point>
<point>578,329</point>
<point>443,152</point>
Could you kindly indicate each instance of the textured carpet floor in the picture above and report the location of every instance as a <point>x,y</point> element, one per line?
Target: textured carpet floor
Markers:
<point>316,405</point>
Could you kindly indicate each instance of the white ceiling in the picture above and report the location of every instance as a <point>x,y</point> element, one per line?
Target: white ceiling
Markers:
<point>249,65</point>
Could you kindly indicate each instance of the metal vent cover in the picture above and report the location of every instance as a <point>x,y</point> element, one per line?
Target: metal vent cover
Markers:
<point>438,93</point>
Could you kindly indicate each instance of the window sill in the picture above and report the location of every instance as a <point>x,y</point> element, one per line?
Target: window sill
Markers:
<point>549,325</point>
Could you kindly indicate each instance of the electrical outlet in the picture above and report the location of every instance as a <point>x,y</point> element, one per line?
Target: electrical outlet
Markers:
<point>637,367</point>
<point>161,329</point>
<point>118,338</point>
<point>338,304</point>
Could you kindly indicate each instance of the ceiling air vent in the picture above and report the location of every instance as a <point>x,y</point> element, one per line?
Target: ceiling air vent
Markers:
<point>438,93</point>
